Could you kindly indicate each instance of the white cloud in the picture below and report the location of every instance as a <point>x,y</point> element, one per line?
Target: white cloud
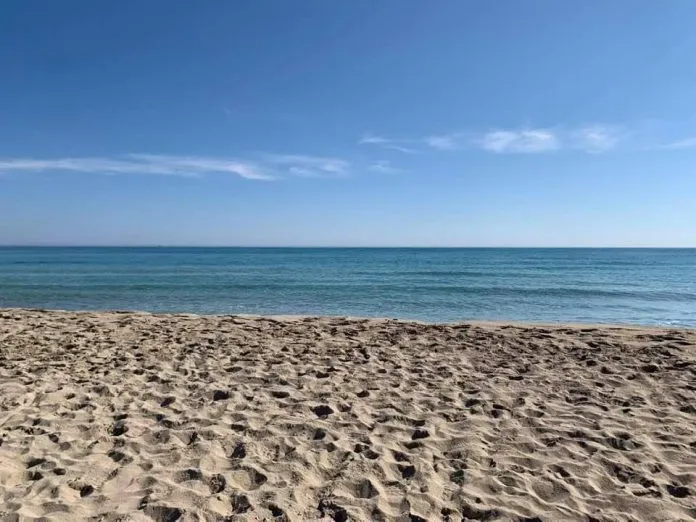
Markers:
<point>445,141</point>
<point>384,167</point>
<point>500,141</point>
<point>271,167</point>
<point>400,148</point>
<point>595,138</point>
<point>140,164</point>
<point>525,141</point>
<point>203,165</point>
<point>387,143</point>
<point>310,166</point>
<point>371,139</point>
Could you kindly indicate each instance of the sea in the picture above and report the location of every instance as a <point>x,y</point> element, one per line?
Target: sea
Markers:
<point>579,285</point>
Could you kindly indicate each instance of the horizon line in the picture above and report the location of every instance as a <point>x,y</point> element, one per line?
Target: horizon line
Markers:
<point>348,247</point>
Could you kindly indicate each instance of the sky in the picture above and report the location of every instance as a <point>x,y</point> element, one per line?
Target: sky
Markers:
<point>348,123</point>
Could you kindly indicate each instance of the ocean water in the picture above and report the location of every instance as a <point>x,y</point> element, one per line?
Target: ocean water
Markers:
<point>638,286</point>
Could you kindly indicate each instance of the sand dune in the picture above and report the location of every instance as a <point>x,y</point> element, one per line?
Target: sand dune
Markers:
<point>116,416</point>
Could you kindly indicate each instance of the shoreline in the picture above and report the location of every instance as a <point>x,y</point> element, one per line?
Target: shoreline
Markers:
<point>113,415</point>
<point>391,320</point>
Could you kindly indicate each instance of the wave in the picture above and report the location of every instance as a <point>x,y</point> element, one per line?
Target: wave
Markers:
<point>176,286</point>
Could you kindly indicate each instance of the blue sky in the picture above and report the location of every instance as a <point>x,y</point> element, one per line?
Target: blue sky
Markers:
<point>335,122</point>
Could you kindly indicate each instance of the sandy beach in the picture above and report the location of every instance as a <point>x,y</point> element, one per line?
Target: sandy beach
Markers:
<point>130,416</point>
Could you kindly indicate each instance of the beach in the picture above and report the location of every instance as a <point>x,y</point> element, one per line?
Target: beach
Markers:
<point>135,416</point>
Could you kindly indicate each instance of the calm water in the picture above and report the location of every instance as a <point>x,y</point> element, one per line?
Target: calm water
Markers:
<point>549,285</point>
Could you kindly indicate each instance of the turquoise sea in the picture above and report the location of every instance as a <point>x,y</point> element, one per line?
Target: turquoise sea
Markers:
<point>640,286</point>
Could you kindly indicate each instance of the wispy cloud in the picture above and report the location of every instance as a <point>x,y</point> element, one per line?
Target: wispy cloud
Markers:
<point>140,164</point>
<point>452,141</point>
<point>525,141</point>
<point>388,143</point>
<point>310,166</point>
<point>384,167</point>
<point>371,139</point>
<point>268,167</point>
<point>497,141</point>
<point>203,165</point>
<point>595,138</point>
<point>591,138</point>
<point>687,143</point>
<point>401,148</point>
